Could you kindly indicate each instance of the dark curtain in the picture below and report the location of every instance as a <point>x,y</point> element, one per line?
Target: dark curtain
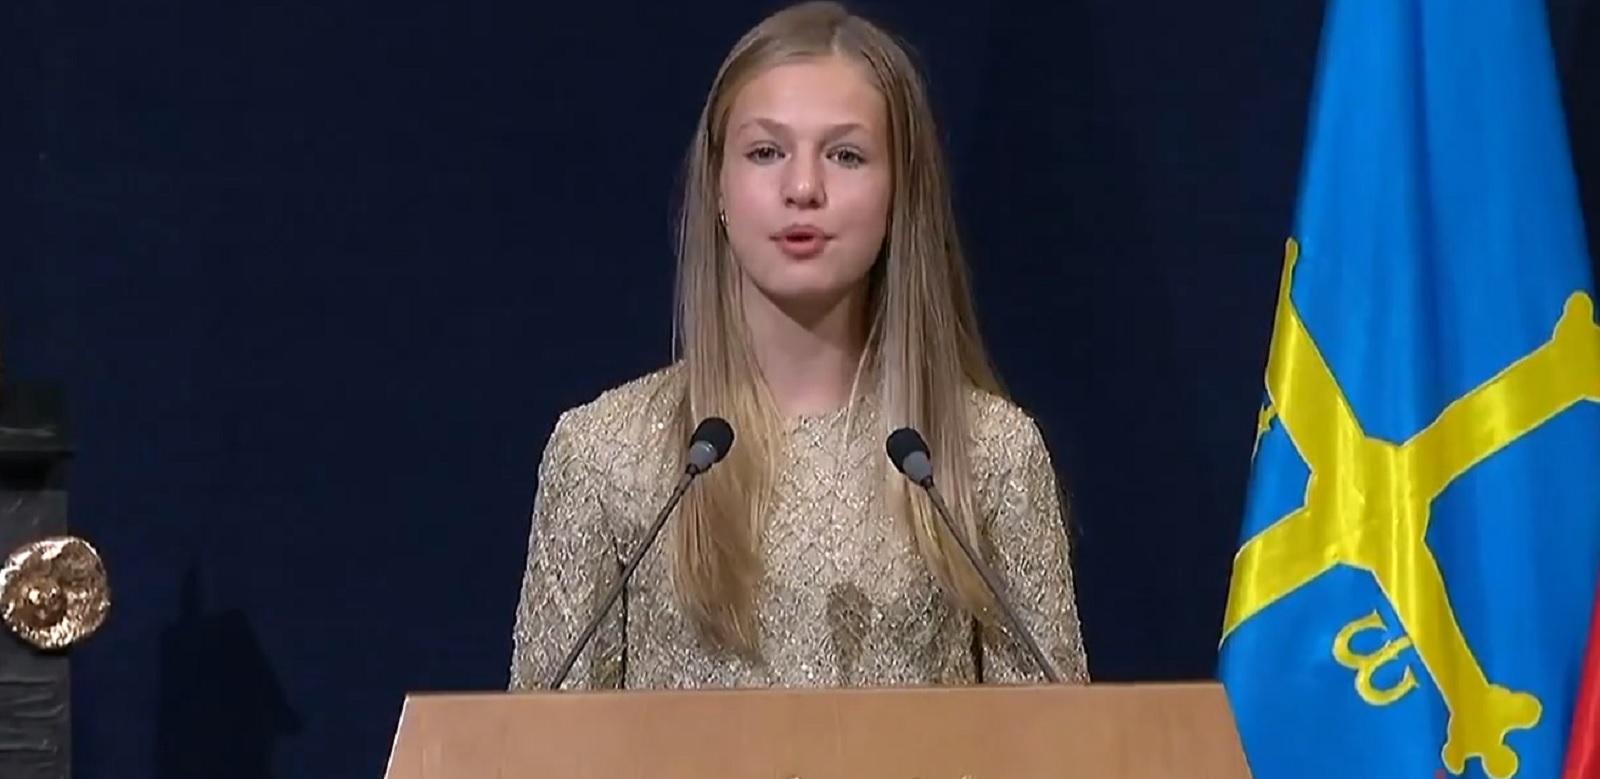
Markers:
<point>318,277</point>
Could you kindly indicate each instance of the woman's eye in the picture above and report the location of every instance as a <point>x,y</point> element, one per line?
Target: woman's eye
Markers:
<point>849,158</point>
<point>763,154</point>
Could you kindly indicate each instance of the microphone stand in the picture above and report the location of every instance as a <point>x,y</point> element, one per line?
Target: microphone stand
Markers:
<point>560,675</point>
<point>993,584</point>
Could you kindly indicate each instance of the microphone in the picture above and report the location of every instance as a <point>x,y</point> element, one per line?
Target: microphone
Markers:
<point>909,453</point>
<point>711,440</point>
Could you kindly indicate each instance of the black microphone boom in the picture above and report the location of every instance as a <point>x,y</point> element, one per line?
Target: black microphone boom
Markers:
<point>711,441</point>
<point>909,453</point>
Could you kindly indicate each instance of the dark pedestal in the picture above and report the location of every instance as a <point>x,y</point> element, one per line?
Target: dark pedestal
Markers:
<point>35,715</point>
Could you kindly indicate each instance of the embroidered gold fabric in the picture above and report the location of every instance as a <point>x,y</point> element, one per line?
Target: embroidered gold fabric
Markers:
<point>846,600</point>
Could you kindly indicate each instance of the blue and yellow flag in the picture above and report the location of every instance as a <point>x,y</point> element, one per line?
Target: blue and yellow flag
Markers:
<point>1422,535</point>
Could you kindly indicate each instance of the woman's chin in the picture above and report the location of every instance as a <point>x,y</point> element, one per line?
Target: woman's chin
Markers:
<point>806,295</point>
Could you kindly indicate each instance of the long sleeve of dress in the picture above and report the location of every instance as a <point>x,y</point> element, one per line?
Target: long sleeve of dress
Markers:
<point>1030,552</point>
<point>571,564</point>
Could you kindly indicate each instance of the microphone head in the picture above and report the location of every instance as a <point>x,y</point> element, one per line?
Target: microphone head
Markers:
<point>909,453</point>
<point>711,440</point>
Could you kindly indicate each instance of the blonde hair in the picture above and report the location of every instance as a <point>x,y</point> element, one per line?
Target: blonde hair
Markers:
<point>923,348</point>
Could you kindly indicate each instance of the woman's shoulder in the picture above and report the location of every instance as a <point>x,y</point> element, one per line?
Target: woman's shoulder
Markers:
<point>624,419</point>
<point>1010,458</point>
<point>1001,428</point>
<point>640,399</point>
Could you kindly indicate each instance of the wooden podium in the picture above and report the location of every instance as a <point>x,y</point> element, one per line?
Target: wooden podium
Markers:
<point>1101,731</point>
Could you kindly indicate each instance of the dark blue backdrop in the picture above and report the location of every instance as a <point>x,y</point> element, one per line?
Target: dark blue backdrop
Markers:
<point>318,277</point>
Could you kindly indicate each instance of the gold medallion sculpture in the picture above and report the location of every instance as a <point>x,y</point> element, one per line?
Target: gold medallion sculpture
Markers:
<point>53,591</point>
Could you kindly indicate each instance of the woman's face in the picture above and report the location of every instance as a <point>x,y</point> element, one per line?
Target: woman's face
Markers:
<point>806,181</point>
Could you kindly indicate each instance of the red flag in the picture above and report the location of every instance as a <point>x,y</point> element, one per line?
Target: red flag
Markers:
<point>1583,749</point>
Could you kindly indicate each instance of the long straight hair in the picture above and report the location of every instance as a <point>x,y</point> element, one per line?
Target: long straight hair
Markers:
<point>924,350</point>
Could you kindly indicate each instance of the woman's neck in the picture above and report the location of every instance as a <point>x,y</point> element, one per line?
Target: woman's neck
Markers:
<point>808,354</point>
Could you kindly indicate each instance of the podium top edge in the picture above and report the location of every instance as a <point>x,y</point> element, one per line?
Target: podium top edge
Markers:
<point>896,691</point>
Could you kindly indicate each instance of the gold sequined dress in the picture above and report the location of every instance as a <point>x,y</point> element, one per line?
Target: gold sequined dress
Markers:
<point>845,601</point>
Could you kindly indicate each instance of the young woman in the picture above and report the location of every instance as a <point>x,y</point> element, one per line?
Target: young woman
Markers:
<point>823,302</point>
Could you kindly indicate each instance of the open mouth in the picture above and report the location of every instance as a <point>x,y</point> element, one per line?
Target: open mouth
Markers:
<point>802,242</point>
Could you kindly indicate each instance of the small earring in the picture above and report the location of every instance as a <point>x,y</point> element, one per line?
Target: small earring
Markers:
<point>722,216</point>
